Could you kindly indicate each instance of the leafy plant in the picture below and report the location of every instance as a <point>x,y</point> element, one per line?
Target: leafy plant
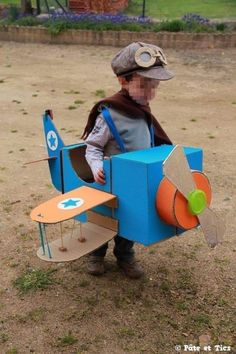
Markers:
<point>170,26</point>
<point>34,279</point>
<point>14,12</point>
<point>13,350</point>
<point>197,23</point>
<point>221,26</point>
<point>193,17</point>
<point>68,339</point>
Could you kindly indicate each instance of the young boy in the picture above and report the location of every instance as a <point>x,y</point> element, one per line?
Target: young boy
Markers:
<point>139,68</point>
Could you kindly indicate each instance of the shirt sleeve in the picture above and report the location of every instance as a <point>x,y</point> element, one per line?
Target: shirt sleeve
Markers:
<point>95,142</point>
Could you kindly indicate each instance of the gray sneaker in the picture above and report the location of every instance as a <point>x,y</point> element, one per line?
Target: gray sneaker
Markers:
<point>131,269</point>
<point>95,265</point>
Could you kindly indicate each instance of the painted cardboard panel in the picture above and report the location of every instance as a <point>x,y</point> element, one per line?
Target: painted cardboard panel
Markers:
<point>66,206</point>
<point>72,180</point>
<point>135,179</point>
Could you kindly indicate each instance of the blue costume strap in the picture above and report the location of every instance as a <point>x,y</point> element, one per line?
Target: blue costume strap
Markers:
<point>107,116</point>
<point>151,129</point>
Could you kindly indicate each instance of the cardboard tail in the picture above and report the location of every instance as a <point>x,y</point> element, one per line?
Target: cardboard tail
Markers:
<point>54,145</point>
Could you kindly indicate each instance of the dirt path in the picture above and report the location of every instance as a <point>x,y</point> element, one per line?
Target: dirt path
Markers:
<point>189,290</point>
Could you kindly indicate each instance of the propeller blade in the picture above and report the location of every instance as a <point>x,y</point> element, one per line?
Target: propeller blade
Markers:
<point>212,227</point>
<point>176,169</point>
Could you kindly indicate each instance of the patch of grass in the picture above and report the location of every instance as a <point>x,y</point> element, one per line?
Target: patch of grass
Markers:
<point>175,9</point>
<point>7,208</point>
<point>126,332</point>
<point>72,92</point>
<point>100,93</point>
<point>163,270</point>
<point>181,306</point>
<point>222,302</point>
<point>83,348</point>
<point>3,338</point>
<point>92,300</point>
<point>169,253</point>
<point>221,261</point>
<point>201,319</point>
<point>193,120</point>
<point>165,286</point>
<point>2,81</point>
<point>185,282</point>
<point>14,264</point>
<point>79,102</point>
<point>120,301</point>
<point>36,314</point>
<point>34,279</point>
<point>68,339</point>
<point>13,350</point>
<point>190,255</point>
<point>84,283</point>
<point>72,107</point>
<point>14,131</point>
<point>148,302</point>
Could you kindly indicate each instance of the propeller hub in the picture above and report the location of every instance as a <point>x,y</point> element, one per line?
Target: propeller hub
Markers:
<point>197,201</point>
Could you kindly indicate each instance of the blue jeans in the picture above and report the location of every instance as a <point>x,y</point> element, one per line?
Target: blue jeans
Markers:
<point>123,249</point>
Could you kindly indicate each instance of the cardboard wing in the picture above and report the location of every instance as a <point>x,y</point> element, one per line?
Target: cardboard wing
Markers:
<point>68,205</point>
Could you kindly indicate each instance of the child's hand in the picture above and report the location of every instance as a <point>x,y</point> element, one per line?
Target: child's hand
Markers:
<point>100,177</point>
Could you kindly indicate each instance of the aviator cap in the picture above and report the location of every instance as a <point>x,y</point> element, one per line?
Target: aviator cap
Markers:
<point>147,60</point>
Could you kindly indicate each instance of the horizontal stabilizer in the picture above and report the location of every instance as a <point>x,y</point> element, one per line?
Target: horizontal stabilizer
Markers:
<point>68,205</point>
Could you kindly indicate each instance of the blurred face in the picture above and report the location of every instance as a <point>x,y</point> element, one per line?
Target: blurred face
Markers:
<point>141,89</point>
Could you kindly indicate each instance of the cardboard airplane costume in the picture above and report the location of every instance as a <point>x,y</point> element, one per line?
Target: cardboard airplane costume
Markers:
<point>150,195</point>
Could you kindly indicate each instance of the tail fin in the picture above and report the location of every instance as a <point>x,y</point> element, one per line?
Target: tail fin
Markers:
<point>54,145</point>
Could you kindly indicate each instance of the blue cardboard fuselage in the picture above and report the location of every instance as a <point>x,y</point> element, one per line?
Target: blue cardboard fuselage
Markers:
<point>135,180</point>
<point>132,177</point>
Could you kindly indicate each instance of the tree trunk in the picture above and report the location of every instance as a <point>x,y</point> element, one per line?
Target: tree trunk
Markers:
<point>26,7</point>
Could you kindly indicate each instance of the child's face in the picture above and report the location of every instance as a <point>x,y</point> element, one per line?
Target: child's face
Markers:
<point>141,89</point>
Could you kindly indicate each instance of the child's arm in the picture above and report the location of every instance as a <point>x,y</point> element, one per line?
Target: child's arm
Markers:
<point>96,141</point>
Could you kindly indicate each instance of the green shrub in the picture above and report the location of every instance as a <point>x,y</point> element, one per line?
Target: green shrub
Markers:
<point>14,13</point>
<point>56,25</point>
<point>27,21</point>
<point>221,27</point>
<point>170,26</point>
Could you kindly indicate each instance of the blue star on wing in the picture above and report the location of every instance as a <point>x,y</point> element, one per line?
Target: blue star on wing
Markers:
<point>70,203</point>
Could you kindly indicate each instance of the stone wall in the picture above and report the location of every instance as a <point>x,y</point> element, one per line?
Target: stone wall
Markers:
<point>180,40</point>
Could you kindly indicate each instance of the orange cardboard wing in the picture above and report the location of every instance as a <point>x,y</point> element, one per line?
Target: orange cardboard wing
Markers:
<point>68,205</point>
